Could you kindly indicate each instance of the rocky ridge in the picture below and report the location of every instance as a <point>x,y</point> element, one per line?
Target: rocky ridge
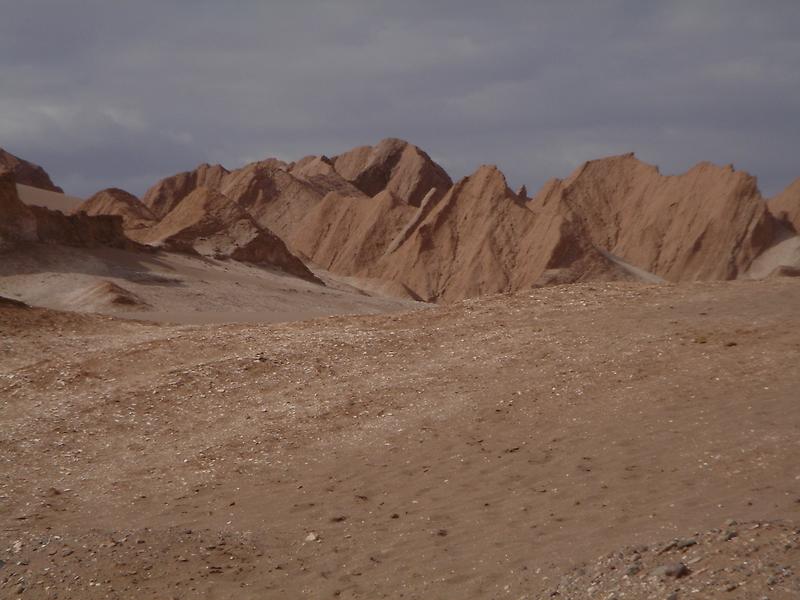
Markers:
<point>114,201</point>
<point>388,213</point>
<point>22,223</point>
<point>26,172</point>
<point>209,223</point>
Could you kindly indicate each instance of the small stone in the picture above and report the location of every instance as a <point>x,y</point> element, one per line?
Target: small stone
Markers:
<point>730,587</point>
<point>676,570</point>
<point>685,543</point>
<point>312,537</point>
<point>729,535</point>
<point>668,547</point>
<point>633,569</point>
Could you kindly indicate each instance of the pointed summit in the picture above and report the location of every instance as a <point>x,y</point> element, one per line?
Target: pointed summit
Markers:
<point>394,165</point>
<point>167,193</point>
<point>114,201</point>
<point>478,239</point>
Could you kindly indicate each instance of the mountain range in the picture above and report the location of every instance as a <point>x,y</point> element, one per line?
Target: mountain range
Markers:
<point>389,215</point>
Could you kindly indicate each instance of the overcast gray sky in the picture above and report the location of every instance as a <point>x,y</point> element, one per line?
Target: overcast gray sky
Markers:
<point>121,93</point>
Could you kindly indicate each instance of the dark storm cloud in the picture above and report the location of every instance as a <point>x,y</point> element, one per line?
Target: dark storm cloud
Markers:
<point>122,93</point>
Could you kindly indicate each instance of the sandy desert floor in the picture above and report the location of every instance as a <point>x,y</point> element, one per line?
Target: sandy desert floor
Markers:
<point>571,442</point>
<point>179,288</point>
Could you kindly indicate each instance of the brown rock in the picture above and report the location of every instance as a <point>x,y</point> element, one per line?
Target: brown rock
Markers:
<point>26,172</point>
<point>785,271</point>
<point>319,173</point>
<point>396,166</point>
<point>480,239</point>
<point>349,234</point>
<point>786,206</point>
<point>167,193</point>
<point>17,221</point>
<point>22,223</point>
<point>114,201</point>
<point>709,223</point>
<point>272,196</point>
<point>81,230</point>
<point>210,223</point>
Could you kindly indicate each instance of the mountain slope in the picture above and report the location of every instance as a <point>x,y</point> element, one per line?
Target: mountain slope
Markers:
<point>167,193</point>
<point>708,223</point>
<point>786,205</point>
<point>393,165</point>
<point>27,173</point>
<point>210,223</point>
<point>114,201</point>
<point>480,238</point>
<point>347,234</point>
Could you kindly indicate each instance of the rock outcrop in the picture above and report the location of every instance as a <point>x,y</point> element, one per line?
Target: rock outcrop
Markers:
<point>708,223</point>
<point>320,174</point>
<point>54,227</point>
<point>167,193</point>
<point>114,201</point>
<point>17,221</point>
<point>393,165</point>
<point>786,206</point>
<point>26,172</point>
<point>348,234</point>
<point>389,214</point>
<point>481,239</point>
<point>22,223</point>
<point>279,196</point>
<point>271,195</point>
<point>209,223</point>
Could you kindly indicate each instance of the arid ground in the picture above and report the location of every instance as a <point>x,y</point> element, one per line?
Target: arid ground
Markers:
<point>553,442</point>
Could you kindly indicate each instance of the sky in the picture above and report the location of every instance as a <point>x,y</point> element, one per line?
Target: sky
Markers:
<point>124,93</point>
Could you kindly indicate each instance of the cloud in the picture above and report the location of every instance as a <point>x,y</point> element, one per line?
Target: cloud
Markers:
<point>124,93</point>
